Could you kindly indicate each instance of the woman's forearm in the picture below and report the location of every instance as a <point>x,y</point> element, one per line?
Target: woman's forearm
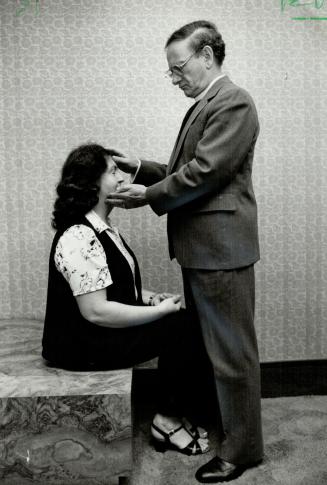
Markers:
<point>95,307</point>
<point>117,315</point>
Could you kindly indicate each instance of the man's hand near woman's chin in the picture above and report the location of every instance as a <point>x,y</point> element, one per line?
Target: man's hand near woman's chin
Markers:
<point>128,196</point>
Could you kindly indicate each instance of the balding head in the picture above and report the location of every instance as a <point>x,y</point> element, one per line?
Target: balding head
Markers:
<point>201,33</point>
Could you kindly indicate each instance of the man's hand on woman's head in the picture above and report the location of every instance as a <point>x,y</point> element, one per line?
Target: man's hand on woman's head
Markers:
<point>128,196</point>
<point>126,164</point>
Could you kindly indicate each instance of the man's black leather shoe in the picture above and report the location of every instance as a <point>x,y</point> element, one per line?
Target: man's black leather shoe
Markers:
<point>218,470</point>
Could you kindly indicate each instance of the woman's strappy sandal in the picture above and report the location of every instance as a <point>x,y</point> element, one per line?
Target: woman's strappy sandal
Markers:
<point>164,443</point>
<point>196,431</point>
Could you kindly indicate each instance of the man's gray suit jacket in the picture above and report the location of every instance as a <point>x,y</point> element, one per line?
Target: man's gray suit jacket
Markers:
<point>206,188</point>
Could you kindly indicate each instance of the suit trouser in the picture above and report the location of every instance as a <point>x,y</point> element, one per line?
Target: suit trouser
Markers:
<point>224,303</point>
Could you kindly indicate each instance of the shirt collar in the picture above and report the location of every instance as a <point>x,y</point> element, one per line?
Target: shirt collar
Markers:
<point>203,93</point>
<point>96,221</point>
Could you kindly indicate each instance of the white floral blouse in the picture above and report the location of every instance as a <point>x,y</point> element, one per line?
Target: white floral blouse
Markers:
<point>81,259</point>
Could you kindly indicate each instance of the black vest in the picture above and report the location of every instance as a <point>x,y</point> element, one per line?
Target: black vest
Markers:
<point>68,338</point>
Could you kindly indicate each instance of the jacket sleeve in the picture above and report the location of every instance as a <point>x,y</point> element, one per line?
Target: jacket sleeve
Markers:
<point>150,173</point>
<point>228,136</point>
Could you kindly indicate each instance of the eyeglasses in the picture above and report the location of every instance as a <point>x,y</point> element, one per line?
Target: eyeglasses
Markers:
<point>178,69</point>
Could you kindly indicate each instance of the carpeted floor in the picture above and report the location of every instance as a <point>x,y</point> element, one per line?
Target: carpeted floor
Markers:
<point>295,433</point>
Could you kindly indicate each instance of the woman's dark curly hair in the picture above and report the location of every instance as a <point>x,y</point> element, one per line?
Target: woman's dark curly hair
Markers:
<point>78,187</point>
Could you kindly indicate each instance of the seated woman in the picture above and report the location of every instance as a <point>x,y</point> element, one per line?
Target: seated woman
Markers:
<point>98,317</point>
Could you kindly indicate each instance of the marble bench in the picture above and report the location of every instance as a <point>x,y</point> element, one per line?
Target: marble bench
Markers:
<point>59,427</point>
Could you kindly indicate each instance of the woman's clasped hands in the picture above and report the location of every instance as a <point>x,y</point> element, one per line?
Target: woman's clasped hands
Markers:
<point>168,302</point>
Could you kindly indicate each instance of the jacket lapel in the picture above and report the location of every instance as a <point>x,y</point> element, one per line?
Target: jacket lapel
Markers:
<point>204,101</point>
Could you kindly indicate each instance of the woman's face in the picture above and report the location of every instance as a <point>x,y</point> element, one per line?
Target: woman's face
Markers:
<point>110,180</point>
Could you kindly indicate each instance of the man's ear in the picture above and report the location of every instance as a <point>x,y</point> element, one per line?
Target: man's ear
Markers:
<point>208,55</point>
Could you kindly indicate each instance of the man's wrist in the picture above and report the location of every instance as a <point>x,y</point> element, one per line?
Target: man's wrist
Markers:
<point>133,177</point>
<point>145,195</point>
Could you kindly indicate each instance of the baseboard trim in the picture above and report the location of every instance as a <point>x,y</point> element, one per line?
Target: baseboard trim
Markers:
<point>294,378</point>
<point>278,379</point>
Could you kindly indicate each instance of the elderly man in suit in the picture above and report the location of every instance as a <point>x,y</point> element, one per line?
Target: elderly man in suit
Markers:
<point>207,192</point>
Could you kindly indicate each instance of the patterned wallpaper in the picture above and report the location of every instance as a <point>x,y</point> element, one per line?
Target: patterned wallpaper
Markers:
<point>93,71</point>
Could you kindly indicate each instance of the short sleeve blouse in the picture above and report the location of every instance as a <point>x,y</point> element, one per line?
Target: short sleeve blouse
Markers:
<point>81,259</point>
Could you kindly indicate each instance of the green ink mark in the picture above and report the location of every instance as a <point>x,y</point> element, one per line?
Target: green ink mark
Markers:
<point>25,4</point>
<point>298,3</point>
